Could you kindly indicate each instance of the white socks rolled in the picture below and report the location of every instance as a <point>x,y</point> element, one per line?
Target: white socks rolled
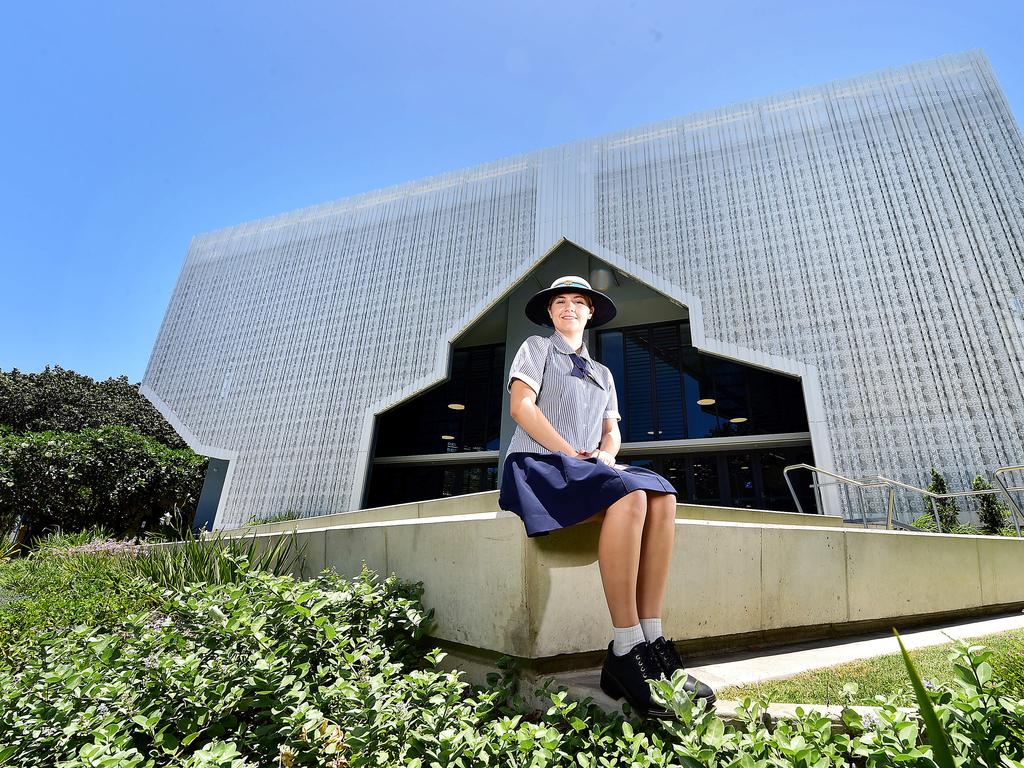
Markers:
<point>626,639</point>
<point>651,628</point>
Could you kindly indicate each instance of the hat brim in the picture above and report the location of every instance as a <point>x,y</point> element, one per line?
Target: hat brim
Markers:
<point>537,306</point>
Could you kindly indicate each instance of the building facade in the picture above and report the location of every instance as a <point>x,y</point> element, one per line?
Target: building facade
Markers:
<point>836,274</point>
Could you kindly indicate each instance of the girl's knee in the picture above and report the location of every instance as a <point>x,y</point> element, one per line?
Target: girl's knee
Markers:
<point>661,505</point>
<point>632,506</point>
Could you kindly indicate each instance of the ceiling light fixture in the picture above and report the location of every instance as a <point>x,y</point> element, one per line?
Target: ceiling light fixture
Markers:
<point>738,420</point>
<point>457,406</point>
<point>447,437</point>
<point>707,401</point>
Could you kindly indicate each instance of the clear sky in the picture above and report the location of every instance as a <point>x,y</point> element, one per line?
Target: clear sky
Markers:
<point>128,127</point>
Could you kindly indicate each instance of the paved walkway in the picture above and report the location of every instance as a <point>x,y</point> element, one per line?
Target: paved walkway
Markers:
<point>786,661</point>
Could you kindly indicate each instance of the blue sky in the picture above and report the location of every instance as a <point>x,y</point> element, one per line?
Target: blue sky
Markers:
<point>128,127</point>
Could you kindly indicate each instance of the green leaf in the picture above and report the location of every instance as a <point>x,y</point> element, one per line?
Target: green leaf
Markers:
<point>936,734</point>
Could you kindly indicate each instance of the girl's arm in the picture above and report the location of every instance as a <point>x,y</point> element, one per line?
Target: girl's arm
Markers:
<point>611,441</point>
<point>524,411</point>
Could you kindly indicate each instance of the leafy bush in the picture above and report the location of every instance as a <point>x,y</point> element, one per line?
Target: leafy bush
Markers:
<point>280,517</point>
<point>966,529</point>
<point>976,721</point>
<point>949,513</point>
<point>214,560</point>
<point>274,672</point>
<point>245,670</point>
<point>109,477</point>
<point>89,578</point>
<point>54,591</point>
<point>993,515</point>
<point>59,400</point>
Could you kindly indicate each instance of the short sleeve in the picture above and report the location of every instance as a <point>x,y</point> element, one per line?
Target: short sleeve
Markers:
<point>611,411</point>
<point>528,364</point>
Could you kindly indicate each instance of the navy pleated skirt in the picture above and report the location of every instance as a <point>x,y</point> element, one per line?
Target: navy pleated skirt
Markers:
<point>551,490</point>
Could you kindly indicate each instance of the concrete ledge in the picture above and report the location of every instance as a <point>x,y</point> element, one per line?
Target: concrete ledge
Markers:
<point>487,501</point>
<point>731,584</point>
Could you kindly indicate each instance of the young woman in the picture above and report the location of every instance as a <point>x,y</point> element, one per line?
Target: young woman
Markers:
<point>560,469</point>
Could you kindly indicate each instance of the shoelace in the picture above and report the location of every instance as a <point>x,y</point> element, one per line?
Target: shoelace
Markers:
<point>668,656</point>
<point>639,654</point>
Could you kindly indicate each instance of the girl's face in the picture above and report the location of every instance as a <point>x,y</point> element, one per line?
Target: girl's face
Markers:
<point>570,312</point>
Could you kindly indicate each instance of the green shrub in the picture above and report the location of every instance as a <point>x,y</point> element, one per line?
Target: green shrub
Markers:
<point>949,513</point>
<point>280,517</point>
<point>993,515</point>
<point>925,523</point>
<point>966,529</point>
<point>59,400</point>
<point>214,559</point>
<point>274,672</point>
<point>110,477</point>
<point>246,669</point>
<point>53,592</point>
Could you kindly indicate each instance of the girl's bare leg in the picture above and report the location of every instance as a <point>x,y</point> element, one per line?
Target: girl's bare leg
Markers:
<point>655,554</point>
<point>618,555</point>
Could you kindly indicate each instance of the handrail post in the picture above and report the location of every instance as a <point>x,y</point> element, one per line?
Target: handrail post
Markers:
<point>792,490</point>
<point>891,508</point>
<point>1014,508</point>
<point>935,513</point>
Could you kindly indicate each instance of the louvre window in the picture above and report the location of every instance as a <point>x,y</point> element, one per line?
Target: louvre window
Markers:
<point>428,424</point>
<point>668,390</point>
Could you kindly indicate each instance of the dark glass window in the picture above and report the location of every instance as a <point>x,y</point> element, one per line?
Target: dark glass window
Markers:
<point>426,424</point>
<point>403,483</point>
<point>668,390</point>
<point>740,471</point>
<point>750,478</point>
<point>637,387</point>
<point>706,488</point>
<point>776,492</point>
<point>668,382</point>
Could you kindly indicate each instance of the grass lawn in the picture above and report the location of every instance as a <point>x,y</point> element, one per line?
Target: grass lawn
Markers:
<point>886,675</point>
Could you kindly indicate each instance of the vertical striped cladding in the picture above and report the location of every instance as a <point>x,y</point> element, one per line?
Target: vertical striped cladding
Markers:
<point>870,228</point>
<point>282,332</point>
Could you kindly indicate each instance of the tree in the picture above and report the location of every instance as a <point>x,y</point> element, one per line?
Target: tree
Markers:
<point>110,477</point>
<point>992,513</point>
<point>60,400</point>
<point>949,514</point>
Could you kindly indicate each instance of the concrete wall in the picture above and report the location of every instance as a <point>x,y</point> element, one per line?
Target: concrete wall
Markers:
<point>731,583</point>
<point>487,501</point>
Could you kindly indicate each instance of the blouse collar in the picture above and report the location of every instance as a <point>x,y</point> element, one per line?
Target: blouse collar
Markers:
<point>563,346</point>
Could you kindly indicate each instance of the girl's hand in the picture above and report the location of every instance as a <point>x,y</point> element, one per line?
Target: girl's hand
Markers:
<point>605,458</point>
<point>584,455</point>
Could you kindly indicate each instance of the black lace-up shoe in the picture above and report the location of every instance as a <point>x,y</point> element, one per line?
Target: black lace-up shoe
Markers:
<point>627,676</point>
<point>669,660</point>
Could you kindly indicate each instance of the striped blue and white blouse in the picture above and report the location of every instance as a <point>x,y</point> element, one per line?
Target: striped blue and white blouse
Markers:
<point>574,392</point>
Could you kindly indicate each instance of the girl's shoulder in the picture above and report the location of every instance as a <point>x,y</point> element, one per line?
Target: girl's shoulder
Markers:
<point>536,344</point>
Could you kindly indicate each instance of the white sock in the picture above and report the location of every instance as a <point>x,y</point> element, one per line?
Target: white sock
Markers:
<point>651,628</point>
<point>626,639</point>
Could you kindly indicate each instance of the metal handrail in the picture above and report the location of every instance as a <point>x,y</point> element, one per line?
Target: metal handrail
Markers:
<point>997,477</point>
<point>880,481</point>
<point>859,484</point>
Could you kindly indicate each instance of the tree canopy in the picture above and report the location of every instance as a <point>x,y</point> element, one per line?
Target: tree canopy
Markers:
<point>60,400</point>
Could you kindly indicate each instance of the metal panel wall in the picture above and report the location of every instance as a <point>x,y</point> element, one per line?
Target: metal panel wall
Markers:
<point>870,229</point>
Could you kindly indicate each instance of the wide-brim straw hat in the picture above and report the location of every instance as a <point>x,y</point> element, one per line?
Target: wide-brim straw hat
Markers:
<point>537,306</point>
